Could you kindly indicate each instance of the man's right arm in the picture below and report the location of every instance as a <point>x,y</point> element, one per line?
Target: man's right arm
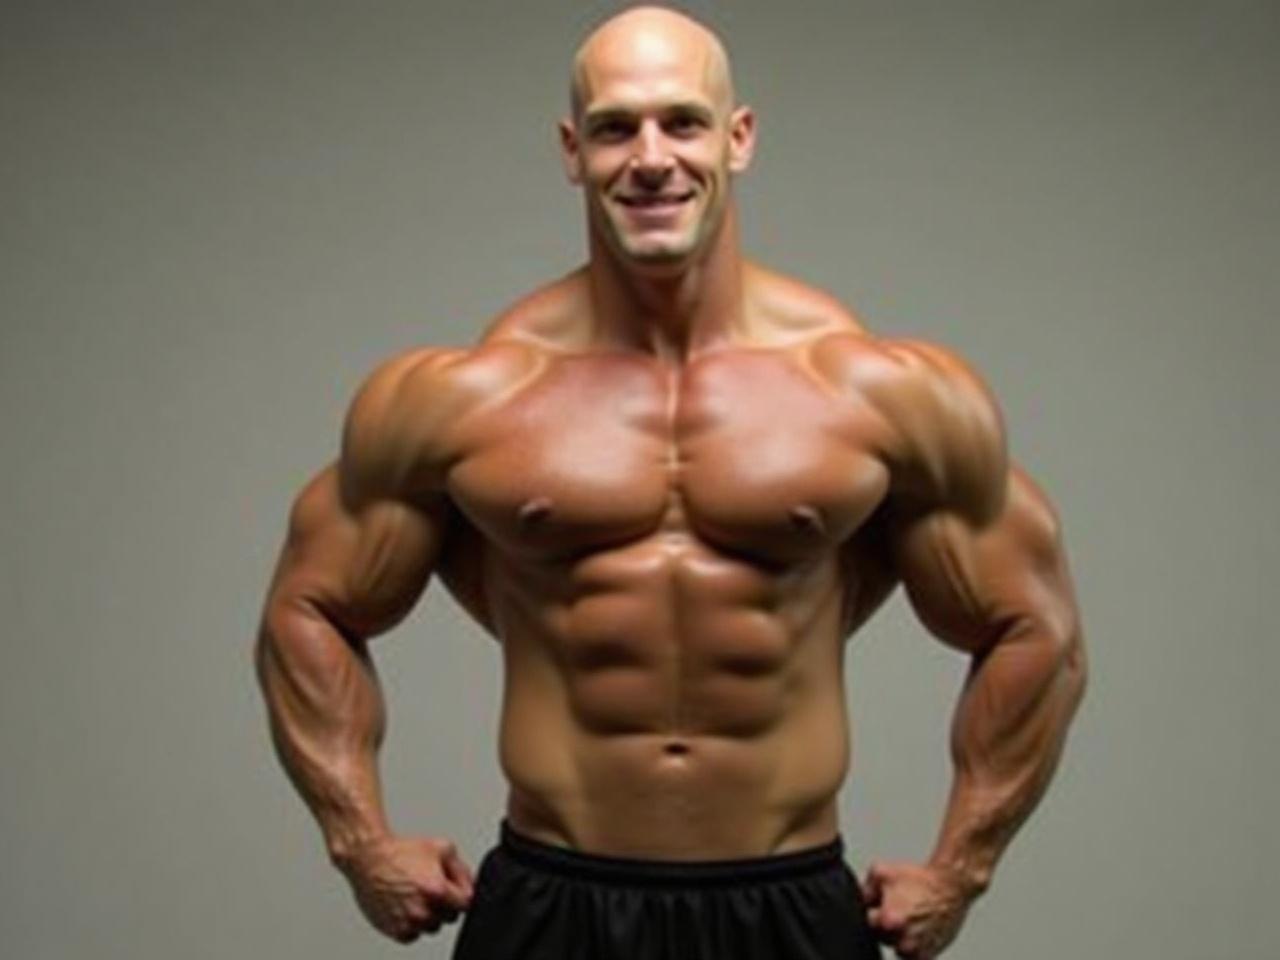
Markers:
<point>363,538</point>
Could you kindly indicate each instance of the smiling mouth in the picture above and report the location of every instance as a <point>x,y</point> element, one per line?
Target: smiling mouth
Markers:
<point>655,202</point>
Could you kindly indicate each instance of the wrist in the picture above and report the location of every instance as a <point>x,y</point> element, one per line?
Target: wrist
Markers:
<point>346,845</point>
<point>969,877</point>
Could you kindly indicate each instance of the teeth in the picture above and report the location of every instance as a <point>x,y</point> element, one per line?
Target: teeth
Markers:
<point>653,201</point>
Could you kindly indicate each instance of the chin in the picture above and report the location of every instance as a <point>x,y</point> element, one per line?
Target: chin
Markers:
<point>656,251</point>
<point>665,253</point>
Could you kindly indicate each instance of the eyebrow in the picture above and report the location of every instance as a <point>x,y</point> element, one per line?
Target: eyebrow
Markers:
<point>688,107</point>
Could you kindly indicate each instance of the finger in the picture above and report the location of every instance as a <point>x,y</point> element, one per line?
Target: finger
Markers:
<point>457,895</point>
<point>434,888</point>
<point>429,921</point>
<point>908,948</point>
<point>456,869</point>
<point>443,899</point>
<point>885,935</point>
<point>452,896</point>
<point>888,920</point>
<point>426,918</point>
<point>886,872</point>
<point>405,935</point>
<point>872,887</point>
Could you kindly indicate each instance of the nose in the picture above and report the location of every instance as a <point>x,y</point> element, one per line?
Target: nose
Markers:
<point>652,161</point>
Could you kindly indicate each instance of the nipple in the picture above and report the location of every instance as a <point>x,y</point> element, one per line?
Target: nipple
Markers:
<point>806,518</point>
<point>536,510</point>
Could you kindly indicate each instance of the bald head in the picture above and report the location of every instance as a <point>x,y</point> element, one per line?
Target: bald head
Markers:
<point>645,37</point>
<point>655,139</point>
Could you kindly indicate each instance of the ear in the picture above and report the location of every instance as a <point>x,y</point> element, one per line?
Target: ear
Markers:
<point>742,139</point>
<point>569,153</point>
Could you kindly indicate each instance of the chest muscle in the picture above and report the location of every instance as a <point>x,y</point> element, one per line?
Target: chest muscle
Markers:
<point>743,451</point>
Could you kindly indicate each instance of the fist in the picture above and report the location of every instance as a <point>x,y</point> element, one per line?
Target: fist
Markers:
<point>408,886</point>
<point>914,908</point>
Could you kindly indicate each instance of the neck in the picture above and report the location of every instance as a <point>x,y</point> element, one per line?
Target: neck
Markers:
<point>671,313</point>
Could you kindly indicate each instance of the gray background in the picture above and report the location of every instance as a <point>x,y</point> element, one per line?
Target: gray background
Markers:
<point>217,217</point>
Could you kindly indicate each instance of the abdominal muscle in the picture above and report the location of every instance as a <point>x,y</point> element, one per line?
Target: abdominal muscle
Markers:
<point>672,703</point>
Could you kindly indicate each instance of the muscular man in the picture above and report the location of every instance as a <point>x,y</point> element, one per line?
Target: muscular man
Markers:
<point>671,485</point>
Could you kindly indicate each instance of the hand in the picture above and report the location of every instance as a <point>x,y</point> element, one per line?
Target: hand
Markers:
<point>915,908</point>
<point>407,886</point>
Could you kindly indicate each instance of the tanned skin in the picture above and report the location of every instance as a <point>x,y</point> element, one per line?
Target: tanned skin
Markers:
<point>671,485</point>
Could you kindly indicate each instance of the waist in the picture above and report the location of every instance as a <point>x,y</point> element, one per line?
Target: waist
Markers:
<point>714,797</point>
<point>638,871</point>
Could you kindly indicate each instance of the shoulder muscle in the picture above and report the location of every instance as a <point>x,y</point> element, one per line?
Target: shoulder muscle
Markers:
<point>951,438</point>
<point>945,437</point>
<point>391,435</point>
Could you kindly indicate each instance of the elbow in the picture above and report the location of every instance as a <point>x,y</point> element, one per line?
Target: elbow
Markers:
<point>1068,664</point>
<point>1068,637</point>
<point>1058,622</point>
<point>270,645</point>
<point>1061,661</point>
<point>296,634</point>
<point>267,638</point>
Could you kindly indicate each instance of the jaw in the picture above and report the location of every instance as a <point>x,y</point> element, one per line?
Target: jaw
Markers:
<point>660,247</point>
<point>657,249</point>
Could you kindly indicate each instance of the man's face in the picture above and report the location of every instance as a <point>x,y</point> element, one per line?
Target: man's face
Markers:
<point>654,146</point>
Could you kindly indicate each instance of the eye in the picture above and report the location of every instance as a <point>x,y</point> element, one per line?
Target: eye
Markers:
<point>684,124</point>
<point>611,131</point>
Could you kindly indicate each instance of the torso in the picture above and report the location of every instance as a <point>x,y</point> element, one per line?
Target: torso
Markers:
<point>672,556</point>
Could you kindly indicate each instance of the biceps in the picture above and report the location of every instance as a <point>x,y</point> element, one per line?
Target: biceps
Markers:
<point>971,586</point>
<point>364,567</point>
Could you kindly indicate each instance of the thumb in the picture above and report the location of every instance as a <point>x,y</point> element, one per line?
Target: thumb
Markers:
<point>457,874</point>
<point>873,885</point>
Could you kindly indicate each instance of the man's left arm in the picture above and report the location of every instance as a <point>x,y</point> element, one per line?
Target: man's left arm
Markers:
<point>979,550</point>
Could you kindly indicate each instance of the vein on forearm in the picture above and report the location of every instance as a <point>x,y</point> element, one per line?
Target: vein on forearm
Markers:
<point>1009,729</point>
<point>326,709</point>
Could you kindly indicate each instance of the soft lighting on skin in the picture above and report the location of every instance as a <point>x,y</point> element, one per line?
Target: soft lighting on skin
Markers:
<point>653,139</point>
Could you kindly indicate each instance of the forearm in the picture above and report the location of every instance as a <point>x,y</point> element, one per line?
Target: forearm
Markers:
<point>327,721</point>
<point>1009,729</point>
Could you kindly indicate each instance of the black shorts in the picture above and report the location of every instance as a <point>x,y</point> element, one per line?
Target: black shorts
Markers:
<point>534,901</point>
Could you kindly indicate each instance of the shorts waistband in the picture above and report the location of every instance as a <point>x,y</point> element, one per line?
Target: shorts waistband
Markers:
<point>581,865</point>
